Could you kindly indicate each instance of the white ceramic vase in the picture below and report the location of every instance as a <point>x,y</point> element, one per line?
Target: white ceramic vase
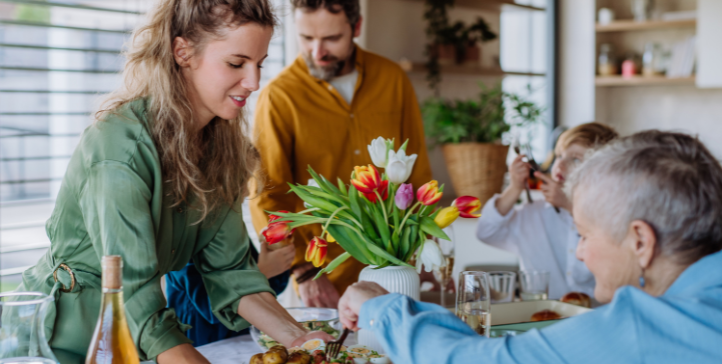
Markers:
<point>395,279</point>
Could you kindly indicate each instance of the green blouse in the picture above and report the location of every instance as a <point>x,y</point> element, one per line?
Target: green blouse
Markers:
<point>112,201</point>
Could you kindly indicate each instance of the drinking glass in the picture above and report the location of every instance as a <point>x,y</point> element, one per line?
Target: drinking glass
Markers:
<point>502,286</point>
<point>22,334</point>
<point>443,275</point>
<point>534,285</point>
<point>473,305</point>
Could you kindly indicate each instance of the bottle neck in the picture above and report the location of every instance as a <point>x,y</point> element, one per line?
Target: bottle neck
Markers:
<point>111,300</point>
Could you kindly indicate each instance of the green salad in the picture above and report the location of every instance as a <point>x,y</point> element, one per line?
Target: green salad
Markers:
<point>324,326</point>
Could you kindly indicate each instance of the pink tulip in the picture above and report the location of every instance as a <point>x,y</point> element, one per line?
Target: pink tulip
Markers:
<point>404,196</point>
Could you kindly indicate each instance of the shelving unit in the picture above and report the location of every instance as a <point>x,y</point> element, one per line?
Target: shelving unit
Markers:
<point>614,81</point>
<point>471,71</point>
<point>631,25</point>
<point>492,5</point>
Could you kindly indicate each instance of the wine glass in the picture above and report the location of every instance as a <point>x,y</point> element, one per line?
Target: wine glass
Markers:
<point>473,304</point>
<point>443,274</point>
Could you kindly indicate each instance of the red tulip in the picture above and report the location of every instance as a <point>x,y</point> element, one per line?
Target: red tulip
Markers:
<point>367,180</point>
<point>272,217</point>
<point>276,232</point>
<point>316,251</point>
<point>467,205</point>
<point>429,193</point>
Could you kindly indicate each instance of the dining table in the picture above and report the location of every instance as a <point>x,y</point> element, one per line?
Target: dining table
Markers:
<point>239,349</point>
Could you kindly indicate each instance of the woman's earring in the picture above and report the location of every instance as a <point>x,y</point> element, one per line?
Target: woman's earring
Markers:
<point>641,279</point>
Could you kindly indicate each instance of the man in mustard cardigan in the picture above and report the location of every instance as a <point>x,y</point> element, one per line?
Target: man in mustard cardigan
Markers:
<point>322,111</point>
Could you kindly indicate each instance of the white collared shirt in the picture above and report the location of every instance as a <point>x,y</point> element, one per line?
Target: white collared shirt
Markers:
<point>543,239</point>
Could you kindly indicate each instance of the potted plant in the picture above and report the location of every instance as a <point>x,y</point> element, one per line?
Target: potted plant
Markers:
<point>470,134</point>
<point>449,43</point>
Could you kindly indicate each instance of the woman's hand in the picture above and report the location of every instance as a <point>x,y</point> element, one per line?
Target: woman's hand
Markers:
<point>350,304</point>
<point>312,335</point>
<point>272,262</point>
<point>264,312</point>
<point>553,192</point>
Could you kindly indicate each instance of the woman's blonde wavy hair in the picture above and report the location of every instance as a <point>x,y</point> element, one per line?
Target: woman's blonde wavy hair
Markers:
<point>215,165</point>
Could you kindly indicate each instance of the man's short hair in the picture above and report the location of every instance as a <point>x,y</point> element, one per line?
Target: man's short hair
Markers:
<point>350,7</point>
<point>668,180</point>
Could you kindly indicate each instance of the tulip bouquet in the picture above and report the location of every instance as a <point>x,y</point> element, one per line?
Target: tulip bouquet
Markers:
<point>374,218</point>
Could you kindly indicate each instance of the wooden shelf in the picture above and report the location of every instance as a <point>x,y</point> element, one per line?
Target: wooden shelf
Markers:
<point>614,81</point>
<point>492,5</point>
<point>472,71</point>
<point>631,25</point>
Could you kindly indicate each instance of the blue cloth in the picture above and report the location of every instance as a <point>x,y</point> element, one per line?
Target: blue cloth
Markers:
<point>187,295</point>
<point>682,326</point>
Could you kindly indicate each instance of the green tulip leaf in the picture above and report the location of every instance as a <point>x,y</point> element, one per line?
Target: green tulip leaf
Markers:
<point>383,254</point>
<point>349,241</point>
<point>429,226</point>
<point>334,264</point>
<point>342,187</point>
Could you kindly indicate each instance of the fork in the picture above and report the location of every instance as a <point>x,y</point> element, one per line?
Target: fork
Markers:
<point>334,347</point>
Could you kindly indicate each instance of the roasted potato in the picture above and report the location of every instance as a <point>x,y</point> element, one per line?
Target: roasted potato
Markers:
<point>299,357</point>
<point>279,348</point>
<point>257,359</point>
<point>275,357</point>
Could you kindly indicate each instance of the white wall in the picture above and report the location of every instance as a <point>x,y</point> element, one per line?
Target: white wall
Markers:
<point>576,61</point>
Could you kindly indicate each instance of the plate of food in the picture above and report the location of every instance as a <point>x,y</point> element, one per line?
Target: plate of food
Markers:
<point>313,352</point>
<point>312,318</point>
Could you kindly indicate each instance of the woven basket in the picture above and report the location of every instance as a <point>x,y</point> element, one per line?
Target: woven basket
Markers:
<point>476,169</point>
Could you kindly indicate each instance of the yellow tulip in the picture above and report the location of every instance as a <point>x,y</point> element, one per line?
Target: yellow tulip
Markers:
<point>446,216</point>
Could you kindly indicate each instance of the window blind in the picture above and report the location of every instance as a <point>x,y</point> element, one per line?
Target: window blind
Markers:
<point>57,60</point>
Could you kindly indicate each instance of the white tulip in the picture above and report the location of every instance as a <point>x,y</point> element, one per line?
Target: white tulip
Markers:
<point>379,150</point>
<point>431,257</point>
<point>312,182</point>
<point>399,166</point>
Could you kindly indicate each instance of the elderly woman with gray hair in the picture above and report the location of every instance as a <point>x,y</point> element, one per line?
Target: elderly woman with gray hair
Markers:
<point>649,211</point>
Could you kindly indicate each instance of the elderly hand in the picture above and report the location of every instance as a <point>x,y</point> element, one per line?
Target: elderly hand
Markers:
<point>553,192</point>
<point>350,304</point>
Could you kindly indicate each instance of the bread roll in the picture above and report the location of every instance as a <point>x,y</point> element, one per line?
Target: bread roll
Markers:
<point>577,298</point>
<point>544,315</point>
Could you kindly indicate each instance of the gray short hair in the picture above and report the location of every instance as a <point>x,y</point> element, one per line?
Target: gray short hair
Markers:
<point>669,180</point>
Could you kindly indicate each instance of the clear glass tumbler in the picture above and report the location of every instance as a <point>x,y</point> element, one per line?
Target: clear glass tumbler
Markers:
<point>502,285</point>
<point>534,285</point>
<point>473,305</point>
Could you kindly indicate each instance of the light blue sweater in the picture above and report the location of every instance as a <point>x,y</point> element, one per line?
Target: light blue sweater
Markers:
<point>682,326</point>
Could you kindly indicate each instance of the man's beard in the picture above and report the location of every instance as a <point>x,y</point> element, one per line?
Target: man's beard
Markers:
<point>325,73</point>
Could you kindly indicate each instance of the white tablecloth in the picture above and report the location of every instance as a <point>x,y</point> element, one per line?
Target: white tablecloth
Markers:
<point>236,350</point>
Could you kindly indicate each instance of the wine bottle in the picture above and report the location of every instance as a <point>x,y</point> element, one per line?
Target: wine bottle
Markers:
<point>112,343</point>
